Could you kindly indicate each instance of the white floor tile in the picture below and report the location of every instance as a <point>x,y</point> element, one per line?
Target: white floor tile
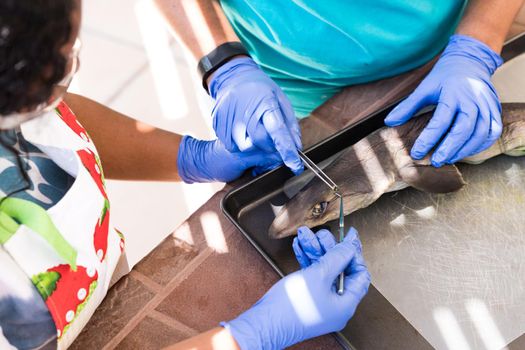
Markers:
<point>166,98</point>
<point>105,67</point>
<point>115,19</point>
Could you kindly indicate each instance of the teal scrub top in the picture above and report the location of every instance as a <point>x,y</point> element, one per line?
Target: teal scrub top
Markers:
<point>313,48</point>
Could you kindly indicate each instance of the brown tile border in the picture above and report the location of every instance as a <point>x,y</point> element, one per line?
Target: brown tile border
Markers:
<point>150,334</point>
<point>166,261</point>
<point>149,283</point>
<point>125,300</point>
<point>173,323</point>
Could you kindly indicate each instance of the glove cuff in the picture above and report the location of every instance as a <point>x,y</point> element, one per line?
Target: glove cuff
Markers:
<point>465,45</point>
<point>188,170</point>
<point>212,61</point>
<point>243,334</point>
<point>223,72</point>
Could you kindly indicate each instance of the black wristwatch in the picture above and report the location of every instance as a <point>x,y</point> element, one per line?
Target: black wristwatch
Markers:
<point>222,54</point>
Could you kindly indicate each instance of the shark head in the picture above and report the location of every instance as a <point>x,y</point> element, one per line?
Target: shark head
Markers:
<point>311,207</point>
<point>317,204</point>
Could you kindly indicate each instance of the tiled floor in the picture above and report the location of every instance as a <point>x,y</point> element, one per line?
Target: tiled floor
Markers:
<point>130,62</point>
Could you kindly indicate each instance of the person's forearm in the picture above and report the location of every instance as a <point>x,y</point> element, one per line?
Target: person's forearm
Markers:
<point>199,24</point>
<point>128,149</point>
<point>489,20</point>
<point>216,339</point>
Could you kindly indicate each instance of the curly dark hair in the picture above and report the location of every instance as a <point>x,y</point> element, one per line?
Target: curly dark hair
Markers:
<point>32,32</point>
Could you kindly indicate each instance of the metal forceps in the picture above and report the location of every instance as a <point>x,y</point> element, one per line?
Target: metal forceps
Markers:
<point>330,183</point>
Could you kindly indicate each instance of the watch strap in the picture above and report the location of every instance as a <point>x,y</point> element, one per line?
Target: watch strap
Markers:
<point>219,56</point>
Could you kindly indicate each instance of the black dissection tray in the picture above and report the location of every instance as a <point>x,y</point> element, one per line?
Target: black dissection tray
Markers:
<point>250,209</point>
<point>377,323</point>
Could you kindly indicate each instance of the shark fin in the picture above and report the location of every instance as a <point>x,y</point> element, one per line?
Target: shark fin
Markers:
<point>431,179</point>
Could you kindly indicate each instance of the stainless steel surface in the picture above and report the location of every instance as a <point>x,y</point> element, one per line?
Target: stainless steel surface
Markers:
<point>454,265</point>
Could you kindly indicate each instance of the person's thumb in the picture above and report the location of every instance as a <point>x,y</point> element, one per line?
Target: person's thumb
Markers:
<point>259,159</point>
<point>356,286</point>
<point>283,141</point>
<point>407,108</point>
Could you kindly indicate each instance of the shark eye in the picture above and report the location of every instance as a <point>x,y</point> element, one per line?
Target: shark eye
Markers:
<point>319,209</point>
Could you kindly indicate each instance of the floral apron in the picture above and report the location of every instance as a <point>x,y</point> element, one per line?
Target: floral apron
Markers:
<point>71,250</point>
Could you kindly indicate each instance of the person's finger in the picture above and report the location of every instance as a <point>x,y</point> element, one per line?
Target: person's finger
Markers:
<point>458,135</point>
<point>255,158</point>
<point>496,124</point>
<point>255,128</point>
<point>301,257</point>
<point>358,259</point>
<point>261,138</point>
<point>274,124</point>
<point>356,286</point>
<point>479,136</point>
<point>434,131</point>
<point>357,277</point>
<point>326,240</point>
<point>240,138</point>
<point>290,119</point>
<point>270,158</point>
<point>223,123</point>
<point>407,108</point>
<point>338,258</point>
<point>263,169</point>
<point>309,243</point>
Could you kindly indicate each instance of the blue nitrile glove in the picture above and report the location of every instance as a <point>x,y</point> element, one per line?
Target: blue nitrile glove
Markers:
<point>252,111</point>
<point>207,161</point>
<point>310,247</point>
<point>305,304</point>
<point>467,106</point>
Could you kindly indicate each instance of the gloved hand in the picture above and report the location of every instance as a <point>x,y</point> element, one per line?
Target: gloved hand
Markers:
<point>305,304</point>
<point>309,247</point>
<point>207,161</point>
<point>468,109</point>
<point>251,112</point>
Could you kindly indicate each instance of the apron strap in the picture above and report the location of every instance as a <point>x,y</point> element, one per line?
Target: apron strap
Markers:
<point>16,210</point>
<point>8,227</point>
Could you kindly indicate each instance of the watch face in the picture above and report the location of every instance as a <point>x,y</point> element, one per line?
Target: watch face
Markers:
<point>206,64</point>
